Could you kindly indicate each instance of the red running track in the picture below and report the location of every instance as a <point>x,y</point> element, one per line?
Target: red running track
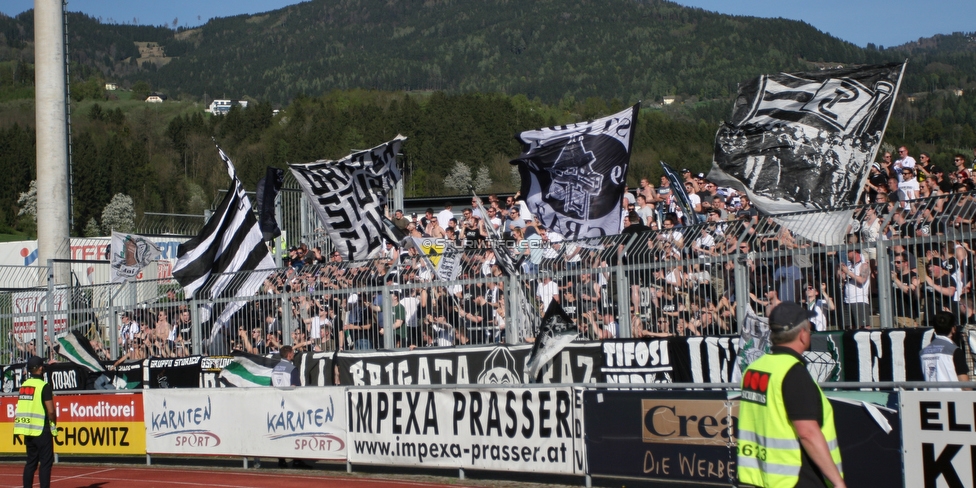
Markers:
<point>74,476</point>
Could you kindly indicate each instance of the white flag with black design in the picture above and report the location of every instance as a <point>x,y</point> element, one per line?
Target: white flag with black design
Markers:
<point>573,176</point>
<point>228,258</point>
<point>805,141</point>
<point>129,254</point>
<point>349,196</point>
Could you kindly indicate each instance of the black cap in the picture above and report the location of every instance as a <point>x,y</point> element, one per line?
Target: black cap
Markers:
<point>701,175</point>
<point>685,170</point>
<point>788,315</point>
<point>34,362</point>
<point>935,262</point>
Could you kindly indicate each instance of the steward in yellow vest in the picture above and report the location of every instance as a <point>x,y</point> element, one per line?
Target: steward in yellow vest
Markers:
<point>786,425</point>
<point>35,422</point>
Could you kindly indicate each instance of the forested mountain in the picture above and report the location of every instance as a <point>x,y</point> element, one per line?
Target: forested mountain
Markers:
<point>623,49</point>
<point>459,79</point>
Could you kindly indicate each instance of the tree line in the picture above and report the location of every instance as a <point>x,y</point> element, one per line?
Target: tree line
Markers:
<point>164,158</point>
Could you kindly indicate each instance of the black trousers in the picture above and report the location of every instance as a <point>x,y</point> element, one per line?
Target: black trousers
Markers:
<point>40,450</point>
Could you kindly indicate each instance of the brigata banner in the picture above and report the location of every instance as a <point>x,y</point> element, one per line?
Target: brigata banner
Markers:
<point>272,422</point>
<point>485,365</point>
<point>939,445</point>
<point>500,429</point>
<point>87,424</point>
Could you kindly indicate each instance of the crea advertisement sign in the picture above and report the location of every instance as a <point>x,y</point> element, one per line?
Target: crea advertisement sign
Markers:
<point>87,424</point>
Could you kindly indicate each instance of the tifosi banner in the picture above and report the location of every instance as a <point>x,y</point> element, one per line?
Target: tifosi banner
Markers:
<point>939,445</point>
<point>642,361</point>
<point>294,423</point>
<point>501,429</point>
<point>87,424</point>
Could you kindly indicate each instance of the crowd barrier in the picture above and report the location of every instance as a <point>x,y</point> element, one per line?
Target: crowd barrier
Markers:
<point>888,436</point>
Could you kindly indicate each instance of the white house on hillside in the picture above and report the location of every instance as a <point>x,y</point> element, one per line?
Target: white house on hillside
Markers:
<point>220,107</point>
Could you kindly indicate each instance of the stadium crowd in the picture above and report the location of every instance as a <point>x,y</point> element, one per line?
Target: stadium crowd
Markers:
<point>680,276</point>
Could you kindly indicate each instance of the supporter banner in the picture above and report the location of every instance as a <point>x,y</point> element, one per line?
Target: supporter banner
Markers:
<point>709,359</point>
<point>61,376</point>
<point>454,366</point>
<point>500,429</point>
<point>939,445</point>
<point>885,355</point>
<point>272,422</point>
<point>636,361</point>
<point>674,436</point>
<point>210,367</point>
<point>87,424</point>
<point>318,368</point>
<point>578,362</point>
<point>465,365</point>
<point>172,372</point>
<point>826,356</point>
<point>125,376</point>
<point>13,376</point>
<point>66,376</point>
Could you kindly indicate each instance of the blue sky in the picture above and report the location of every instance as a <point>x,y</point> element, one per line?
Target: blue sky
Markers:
<point>883,22</point>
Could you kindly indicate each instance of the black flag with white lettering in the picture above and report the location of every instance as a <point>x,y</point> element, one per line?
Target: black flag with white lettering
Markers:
<point>349,196</point>
<point>804,141</point>
<point>573,176</point>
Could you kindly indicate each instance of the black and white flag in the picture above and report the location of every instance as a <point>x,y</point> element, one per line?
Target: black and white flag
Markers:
<point>349,196</point>
<point>573,176</point>
<point>678,191</point>
<point>805,141</point>
<point>267,192</point>
<point>129,254</point>
<point>228,259</point>
<point>557,331</point>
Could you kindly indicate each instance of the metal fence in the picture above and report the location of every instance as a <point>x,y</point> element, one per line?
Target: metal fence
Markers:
<point>902,264</point>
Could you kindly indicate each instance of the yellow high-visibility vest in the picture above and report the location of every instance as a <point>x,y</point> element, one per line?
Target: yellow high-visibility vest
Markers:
<point>768,445</point>
<point>29,419</point>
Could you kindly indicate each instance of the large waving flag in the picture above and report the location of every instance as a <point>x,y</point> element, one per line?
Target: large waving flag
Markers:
<point>805,141</point>
<point>228,258</point>
<point>129,254</point>
<point>349,196</point>
<point>573,176</point>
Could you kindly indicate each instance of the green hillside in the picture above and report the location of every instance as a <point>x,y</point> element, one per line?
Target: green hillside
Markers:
<point>458,78</point>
